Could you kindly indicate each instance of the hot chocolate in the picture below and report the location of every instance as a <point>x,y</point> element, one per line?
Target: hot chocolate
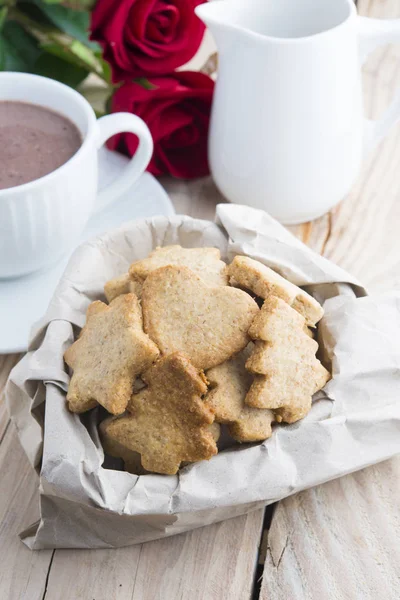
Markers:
<point>34,141</point>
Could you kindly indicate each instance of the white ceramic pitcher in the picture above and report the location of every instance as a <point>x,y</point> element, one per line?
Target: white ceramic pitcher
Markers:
<point>287,130</point>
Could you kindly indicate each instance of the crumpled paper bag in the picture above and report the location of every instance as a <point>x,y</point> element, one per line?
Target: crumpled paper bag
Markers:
<point>354,422</point>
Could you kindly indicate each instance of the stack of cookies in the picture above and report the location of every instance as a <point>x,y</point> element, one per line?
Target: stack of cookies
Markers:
<point>182,347</point>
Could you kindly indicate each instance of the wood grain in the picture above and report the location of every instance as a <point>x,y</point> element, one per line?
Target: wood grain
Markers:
<point>22,572</point>
<point>339,541</point>
<point>197,198</point>
<point>93,574</point>
<point>361,233</point>
<point>216,562</point>
<point>213,563</point>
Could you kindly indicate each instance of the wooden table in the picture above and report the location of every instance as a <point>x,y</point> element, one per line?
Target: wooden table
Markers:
<point>340,540</point>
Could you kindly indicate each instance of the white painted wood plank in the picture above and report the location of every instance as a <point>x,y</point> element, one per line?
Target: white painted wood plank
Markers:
<point>339,541</point>
<point>204,560</point>
<point>93,574</point>
<point>197,198</point>
<point>22,572</point>
<point>362,233</point>
<point>214,563</point>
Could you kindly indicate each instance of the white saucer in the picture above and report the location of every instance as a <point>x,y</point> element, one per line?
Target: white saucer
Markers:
<point>24,300</point>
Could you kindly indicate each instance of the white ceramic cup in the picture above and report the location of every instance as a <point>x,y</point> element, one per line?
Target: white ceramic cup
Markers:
<point>287,130</point>
<point>43,219</point>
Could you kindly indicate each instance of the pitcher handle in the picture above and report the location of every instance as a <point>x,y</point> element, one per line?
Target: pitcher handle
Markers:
<point>374,33</point>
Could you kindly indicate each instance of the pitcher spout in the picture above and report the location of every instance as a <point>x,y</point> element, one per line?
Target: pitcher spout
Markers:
<point>218,16</point>
<point>266,21</point>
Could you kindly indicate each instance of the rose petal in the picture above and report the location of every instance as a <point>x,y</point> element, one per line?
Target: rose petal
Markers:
<point>139,14</point>
<point>163,23</point>
<point>146,37</point>
<point>177,112</point>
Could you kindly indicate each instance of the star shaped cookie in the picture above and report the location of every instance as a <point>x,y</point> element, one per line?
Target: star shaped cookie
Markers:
<point>121,285</point>
<point>110,353</point>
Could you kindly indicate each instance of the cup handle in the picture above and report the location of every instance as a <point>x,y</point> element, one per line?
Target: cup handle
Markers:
<point>109,126</point>
<point>374,33</point>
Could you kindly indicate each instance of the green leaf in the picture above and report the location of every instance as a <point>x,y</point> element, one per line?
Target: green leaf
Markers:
<point>3,15</point>
<point>63,53</point>
<point>2,54</point>
<point>20,50</point>
<point>109,104</point>
<point>75,4</point>
<point>72,22</point>
<point>145,83</point>
<point>86,55</point>
<point>74,53</point>
<point>59,69</point>
<point>106,70</point>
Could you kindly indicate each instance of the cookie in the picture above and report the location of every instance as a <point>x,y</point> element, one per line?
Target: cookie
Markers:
<point>110,353</point>
<point>263,281</point>
<point>169,422</point>
<point>284,362</point>
<point>95,308</point>
<point>113,448</point>
<point>205,262</point>
<point>183,314</point>
<point>296,406</point>
<point>131,458</point>
<point>215,431</point>
<point>230,383</point>
<point>121,285</point>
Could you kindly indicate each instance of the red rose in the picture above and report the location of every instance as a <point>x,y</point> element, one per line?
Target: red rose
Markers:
<point>146,37</point>
<point>177,112</point>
